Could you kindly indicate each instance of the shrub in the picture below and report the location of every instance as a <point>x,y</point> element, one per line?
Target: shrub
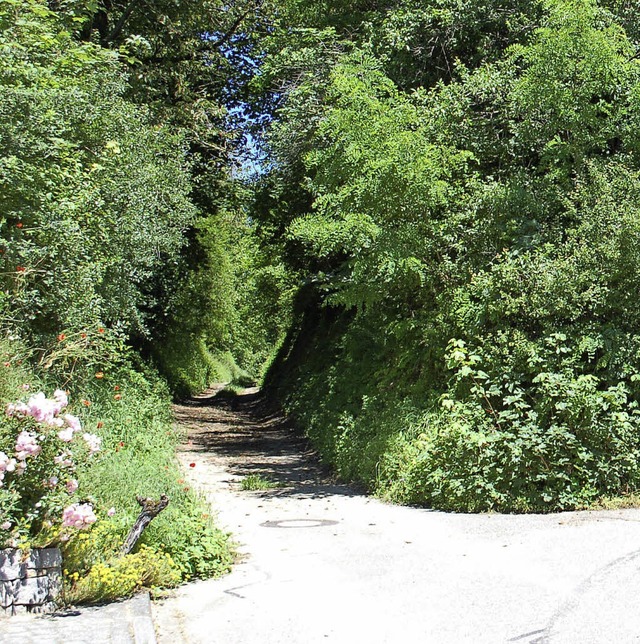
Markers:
<point>121,577</point>
<point>40,450</point>
<point>500,209</point>
<point>94,196</point>
<point>129,410</point>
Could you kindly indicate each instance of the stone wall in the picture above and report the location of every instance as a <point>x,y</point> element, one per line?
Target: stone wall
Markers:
<point>29,584</point>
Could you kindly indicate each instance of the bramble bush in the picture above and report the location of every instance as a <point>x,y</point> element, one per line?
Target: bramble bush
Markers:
<point>474,248</point>
<point>552,439</point>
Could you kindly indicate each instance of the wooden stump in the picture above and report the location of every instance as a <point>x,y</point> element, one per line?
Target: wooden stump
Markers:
<point>150,510</point>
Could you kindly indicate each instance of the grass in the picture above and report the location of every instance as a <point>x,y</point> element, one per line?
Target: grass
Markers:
<point>128,407</point>
<point>255,482</point>
<point>623,502</point>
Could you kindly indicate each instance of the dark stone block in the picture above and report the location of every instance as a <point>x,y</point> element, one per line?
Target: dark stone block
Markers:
<point>45,559</point>
<point>12,566</point>
<point>33,592</point>
<point>31,585</point>
<point>8,593</point>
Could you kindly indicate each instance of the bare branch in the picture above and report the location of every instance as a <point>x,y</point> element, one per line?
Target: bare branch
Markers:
<point>231,31</point>
<point>150,510</point>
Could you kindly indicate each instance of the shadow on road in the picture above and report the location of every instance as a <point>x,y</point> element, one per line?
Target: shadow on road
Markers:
<point>255,439</point>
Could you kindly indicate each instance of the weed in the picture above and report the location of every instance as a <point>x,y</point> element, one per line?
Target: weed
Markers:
<point>128,408</point>
<point>255,482</point>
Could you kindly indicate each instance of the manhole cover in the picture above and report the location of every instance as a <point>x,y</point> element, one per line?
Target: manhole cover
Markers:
<point>298,523</point>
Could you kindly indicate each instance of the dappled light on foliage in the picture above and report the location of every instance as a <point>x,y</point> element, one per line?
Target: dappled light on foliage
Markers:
<point>471,342</point>
<point>418,223</point>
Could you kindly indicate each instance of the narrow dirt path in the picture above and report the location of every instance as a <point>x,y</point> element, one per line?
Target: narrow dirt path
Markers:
<point>323,563</point>
<point>239,434</point>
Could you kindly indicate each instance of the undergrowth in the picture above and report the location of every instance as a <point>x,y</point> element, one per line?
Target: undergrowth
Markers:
<point>128,407</point>
<point>472,440</point>
<point>257,482</point>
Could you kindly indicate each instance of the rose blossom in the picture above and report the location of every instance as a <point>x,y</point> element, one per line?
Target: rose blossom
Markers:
<point>42,409</point>
<point>66,435</point>
<point>27,445</point>
<point>93,442</point>
<point>78,515</point>
<point>73,422</point>
<point>63,459</point>
<point>17,409</point>
<point>72,486</point>
<point>7,464</point>
<point>61,399</point>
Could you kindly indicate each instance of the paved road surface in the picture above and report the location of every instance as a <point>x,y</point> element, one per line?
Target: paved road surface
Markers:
<point>324,564</point>
<point>126,622</point>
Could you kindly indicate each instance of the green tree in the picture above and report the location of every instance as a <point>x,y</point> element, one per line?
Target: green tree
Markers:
<point>95,199</point>
<point>473,243</point>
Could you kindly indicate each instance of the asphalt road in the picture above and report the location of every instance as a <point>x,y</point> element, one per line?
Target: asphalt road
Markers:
<point>325,564</point>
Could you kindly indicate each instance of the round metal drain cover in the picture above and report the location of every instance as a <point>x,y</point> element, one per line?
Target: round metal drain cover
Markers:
<point>298,523</point>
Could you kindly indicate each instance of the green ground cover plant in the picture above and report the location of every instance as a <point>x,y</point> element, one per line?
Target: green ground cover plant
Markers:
<point>466,337</point>
<point>96,209</point>
<point>256,482</point>
<point>128,410</point>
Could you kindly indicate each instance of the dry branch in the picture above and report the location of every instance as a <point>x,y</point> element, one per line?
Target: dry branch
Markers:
<point>150,510</point>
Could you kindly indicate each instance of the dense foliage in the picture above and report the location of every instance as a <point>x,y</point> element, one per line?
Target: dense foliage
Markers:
<point>94,196</point>
<point>431,210</point>
<point>115,239</point>
<point>466,213</point>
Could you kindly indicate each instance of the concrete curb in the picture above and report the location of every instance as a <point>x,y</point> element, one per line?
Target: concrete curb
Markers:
<point>124,622</point>
<point>141,619</point>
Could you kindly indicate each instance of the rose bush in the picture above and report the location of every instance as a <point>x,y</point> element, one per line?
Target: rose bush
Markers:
<point>40,448</point>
